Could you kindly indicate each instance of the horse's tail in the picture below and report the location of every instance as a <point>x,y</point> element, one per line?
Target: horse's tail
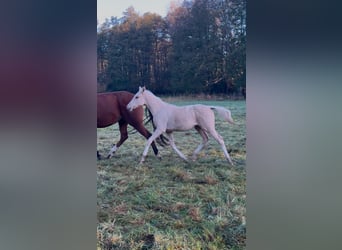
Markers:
<point>148,117</point>
<point>224,113</point>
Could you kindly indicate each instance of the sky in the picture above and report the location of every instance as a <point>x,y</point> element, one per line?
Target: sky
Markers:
<point>108,8</point>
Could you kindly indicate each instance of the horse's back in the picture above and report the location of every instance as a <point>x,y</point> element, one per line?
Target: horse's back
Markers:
<point>124,95</point>
<point>109,107</point>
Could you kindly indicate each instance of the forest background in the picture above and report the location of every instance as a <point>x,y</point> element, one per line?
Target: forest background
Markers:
<point>199,47</point>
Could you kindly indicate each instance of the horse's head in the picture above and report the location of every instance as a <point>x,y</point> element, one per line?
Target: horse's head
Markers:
<point>137,100</point>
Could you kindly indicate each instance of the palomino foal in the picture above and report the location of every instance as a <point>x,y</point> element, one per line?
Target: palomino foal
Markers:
<point>169,118</point>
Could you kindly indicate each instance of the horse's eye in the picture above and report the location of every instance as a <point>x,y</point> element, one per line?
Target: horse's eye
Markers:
<point>136,97</point>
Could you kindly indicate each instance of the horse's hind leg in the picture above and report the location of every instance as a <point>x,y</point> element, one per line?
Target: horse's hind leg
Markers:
<point>123,137</point>
<point>203,143</point>
<point>173,145</point>
<point>219,139</point>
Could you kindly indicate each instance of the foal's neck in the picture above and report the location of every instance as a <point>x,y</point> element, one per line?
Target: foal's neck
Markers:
<point>153,103</point>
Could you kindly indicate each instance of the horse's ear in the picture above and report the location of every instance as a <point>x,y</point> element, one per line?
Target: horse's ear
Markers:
<point>143,88</point>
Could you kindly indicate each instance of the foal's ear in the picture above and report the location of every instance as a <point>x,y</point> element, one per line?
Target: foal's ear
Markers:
<point>142,89</point>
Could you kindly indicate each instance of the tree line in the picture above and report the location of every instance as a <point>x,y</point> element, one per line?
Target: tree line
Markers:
<point>199,47</point>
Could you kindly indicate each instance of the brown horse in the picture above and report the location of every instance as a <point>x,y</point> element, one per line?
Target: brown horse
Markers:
<point>111,108</point>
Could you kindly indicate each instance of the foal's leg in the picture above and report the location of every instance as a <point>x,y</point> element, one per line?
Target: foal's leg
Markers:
<point>144,132</point>
<point>155,134</point>
<point>173,145</point>
<point>219,139</point>
<point>123,137</point>
<point>204,141</point>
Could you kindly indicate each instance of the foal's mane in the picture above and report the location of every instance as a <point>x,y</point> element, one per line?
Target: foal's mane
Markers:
<point>154,96</point>
<point>150,93</point>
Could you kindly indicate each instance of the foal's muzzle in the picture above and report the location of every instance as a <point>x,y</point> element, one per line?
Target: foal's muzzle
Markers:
<point>130,107</point>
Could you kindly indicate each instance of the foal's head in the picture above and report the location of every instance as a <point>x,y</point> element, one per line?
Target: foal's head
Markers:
<point>137,100</point>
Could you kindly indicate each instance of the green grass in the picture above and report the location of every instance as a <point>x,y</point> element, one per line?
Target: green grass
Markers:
<point>168,203</point>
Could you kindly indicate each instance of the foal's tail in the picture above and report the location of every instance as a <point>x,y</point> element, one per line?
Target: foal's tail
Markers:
<point>224,113</point>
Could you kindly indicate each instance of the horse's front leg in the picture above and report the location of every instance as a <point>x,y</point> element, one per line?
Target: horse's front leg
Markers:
<point>123,137</point>
<point>155,134</point>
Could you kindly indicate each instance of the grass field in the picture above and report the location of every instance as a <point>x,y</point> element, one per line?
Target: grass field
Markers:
<point>168,203</point>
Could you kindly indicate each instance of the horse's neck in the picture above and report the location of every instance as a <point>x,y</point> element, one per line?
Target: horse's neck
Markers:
<point>153,103</point>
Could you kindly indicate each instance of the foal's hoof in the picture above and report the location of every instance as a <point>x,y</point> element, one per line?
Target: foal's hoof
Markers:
<point>109,156</point>
<point>186,160</point>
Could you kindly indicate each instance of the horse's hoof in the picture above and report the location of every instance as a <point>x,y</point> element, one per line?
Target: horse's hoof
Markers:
<point>109,156</point>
